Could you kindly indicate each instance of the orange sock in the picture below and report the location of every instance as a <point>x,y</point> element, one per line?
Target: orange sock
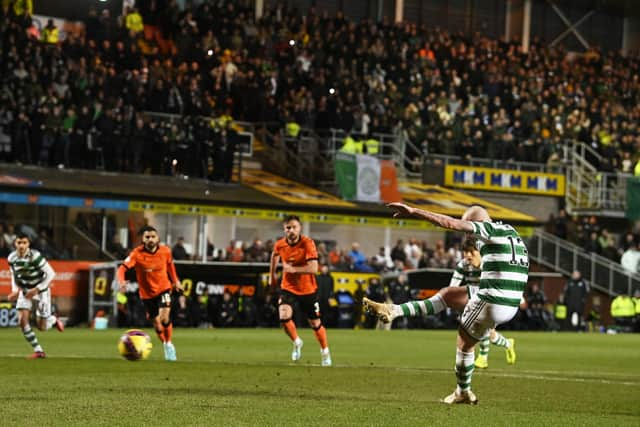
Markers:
<point>168,332</point>
<point>290,329</point>
<point>160,332</point>
<point>321,336</point>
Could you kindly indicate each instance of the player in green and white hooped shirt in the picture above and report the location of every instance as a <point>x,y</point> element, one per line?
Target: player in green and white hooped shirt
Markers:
<point>505,270</point>
<point>467,273</point>
<point>464,285</point>
<point>31,275</point>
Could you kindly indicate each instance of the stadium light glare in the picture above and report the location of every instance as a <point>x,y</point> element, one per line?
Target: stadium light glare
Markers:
<point>210,52</point>
<point>292,42</point>
<point>332,91</point>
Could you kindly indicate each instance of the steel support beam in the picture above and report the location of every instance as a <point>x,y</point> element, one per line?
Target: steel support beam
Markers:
<point>571,27</point>
<point>259,11</point>
<point>526,26</point>
<point>399,17</point>
<point>507,20</point>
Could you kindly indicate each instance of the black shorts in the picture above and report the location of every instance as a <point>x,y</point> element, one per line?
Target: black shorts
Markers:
<point>153,305</point>
<point>308,303</point>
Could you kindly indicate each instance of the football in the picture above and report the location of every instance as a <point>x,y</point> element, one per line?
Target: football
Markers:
<point>134,345</point>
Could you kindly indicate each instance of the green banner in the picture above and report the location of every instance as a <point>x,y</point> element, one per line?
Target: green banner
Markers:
<point>346,169</point>
<point>633,198</point>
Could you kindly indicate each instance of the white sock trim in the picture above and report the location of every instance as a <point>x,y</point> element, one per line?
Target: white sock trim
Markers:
<point>438,303</point>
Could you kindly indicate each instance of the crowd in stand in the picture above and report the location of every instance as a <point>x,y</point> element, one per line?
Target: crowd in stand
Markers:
<point>402,257</point>
<point>40,240</point>
<point>456,94</point>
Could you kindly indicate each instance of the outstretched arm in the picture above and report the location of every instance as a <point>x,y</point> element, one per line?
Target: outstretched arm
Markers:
<point>445,221</point>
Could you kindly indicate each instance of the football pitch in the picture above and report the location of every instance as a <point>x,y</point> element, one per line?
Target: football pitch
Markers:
<point>227,377</point>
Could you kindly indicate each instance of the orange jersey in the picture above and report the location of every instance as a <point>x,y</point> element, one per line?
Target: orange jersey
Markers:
<point>153,270</point>
<point>297,255</point>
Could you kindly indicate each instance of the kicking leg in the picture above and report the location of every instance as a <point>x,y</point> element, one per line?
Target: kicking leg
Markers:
<point>453,297</point>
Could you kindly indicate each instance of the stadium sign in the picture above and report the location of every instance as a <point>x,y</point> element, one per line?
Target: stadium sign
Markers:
<point>504,180</point>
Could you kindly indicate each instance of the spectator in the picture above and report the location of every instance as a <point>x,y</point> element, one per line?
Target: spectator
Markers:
<point>268,312</point>
<point>537,314</point>
<point>116,248</point>
<point>257,252</point>
<point>246,309</point>
<point>358,259</point>
<point>630,260</point>
<point>181,314</point>
<point>413,253</point>
<point>134,21</point>
<point>235,252</point>
<point>592,244</point>
<point>575,295</point>
<point>398,252</point>
<point>381,261</point>
<point>228,313</point>
<point>375,292</point>
<point>323,254</point>
<point>623,312</point>
<point>325,293</point>
<point>5,249</point>
<point>560,224</point>
<point>179,252</point>
<point>50,33</point>
<point>399,293</point>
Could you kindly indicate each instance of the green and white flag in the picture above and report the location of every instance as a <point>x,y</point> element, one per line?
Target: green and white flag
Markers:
<point>366,178</point>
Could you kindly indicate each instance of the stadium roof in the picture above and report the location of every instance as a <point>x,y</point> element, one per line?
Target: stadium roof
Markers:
<point>614,7</point>
<point>259,190</point>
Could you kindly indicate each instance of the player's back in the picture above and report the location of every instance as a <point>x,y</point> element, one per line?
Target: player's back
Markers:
<point>505,264</point>
<point>297,255</point>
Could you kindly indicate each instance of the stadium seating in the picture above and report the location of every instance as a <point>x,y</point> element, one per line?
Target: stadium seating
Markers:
<point>76,103</point>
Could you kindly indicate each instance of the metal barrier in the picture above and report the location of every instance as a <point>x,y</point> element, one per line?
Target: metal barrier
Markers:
<point>445,160</point>
<point>390,147</point>
<point>589,191</point>
<point>565,257</point>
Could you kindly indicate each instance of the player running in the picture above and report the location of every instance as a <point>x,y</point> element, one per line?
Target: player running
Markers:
<point>464,286</point>
<point>299,267</point>
<point>505,271</point>
<point>31,276</point>
<point>154,267</point>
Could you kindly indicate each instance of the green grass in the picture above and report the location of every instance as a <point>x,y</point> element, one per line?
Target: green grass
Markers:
<point>244,377</point>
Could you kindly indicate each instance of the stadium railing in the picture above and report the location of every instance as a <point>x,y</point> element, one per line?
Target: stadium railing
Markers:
<point>492,163</point>
<point>565,257</point>
<point>589,191</point>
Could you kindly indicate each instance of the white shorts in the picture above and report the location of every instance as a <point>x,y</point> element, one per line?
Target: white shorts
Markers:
<point>472,291</point>
<point>42,302</point>
<point>479,317</point>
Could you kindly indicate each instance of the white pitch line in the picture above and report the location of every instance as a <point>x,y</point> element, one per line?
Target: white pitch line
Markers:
<point>532,376</point>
